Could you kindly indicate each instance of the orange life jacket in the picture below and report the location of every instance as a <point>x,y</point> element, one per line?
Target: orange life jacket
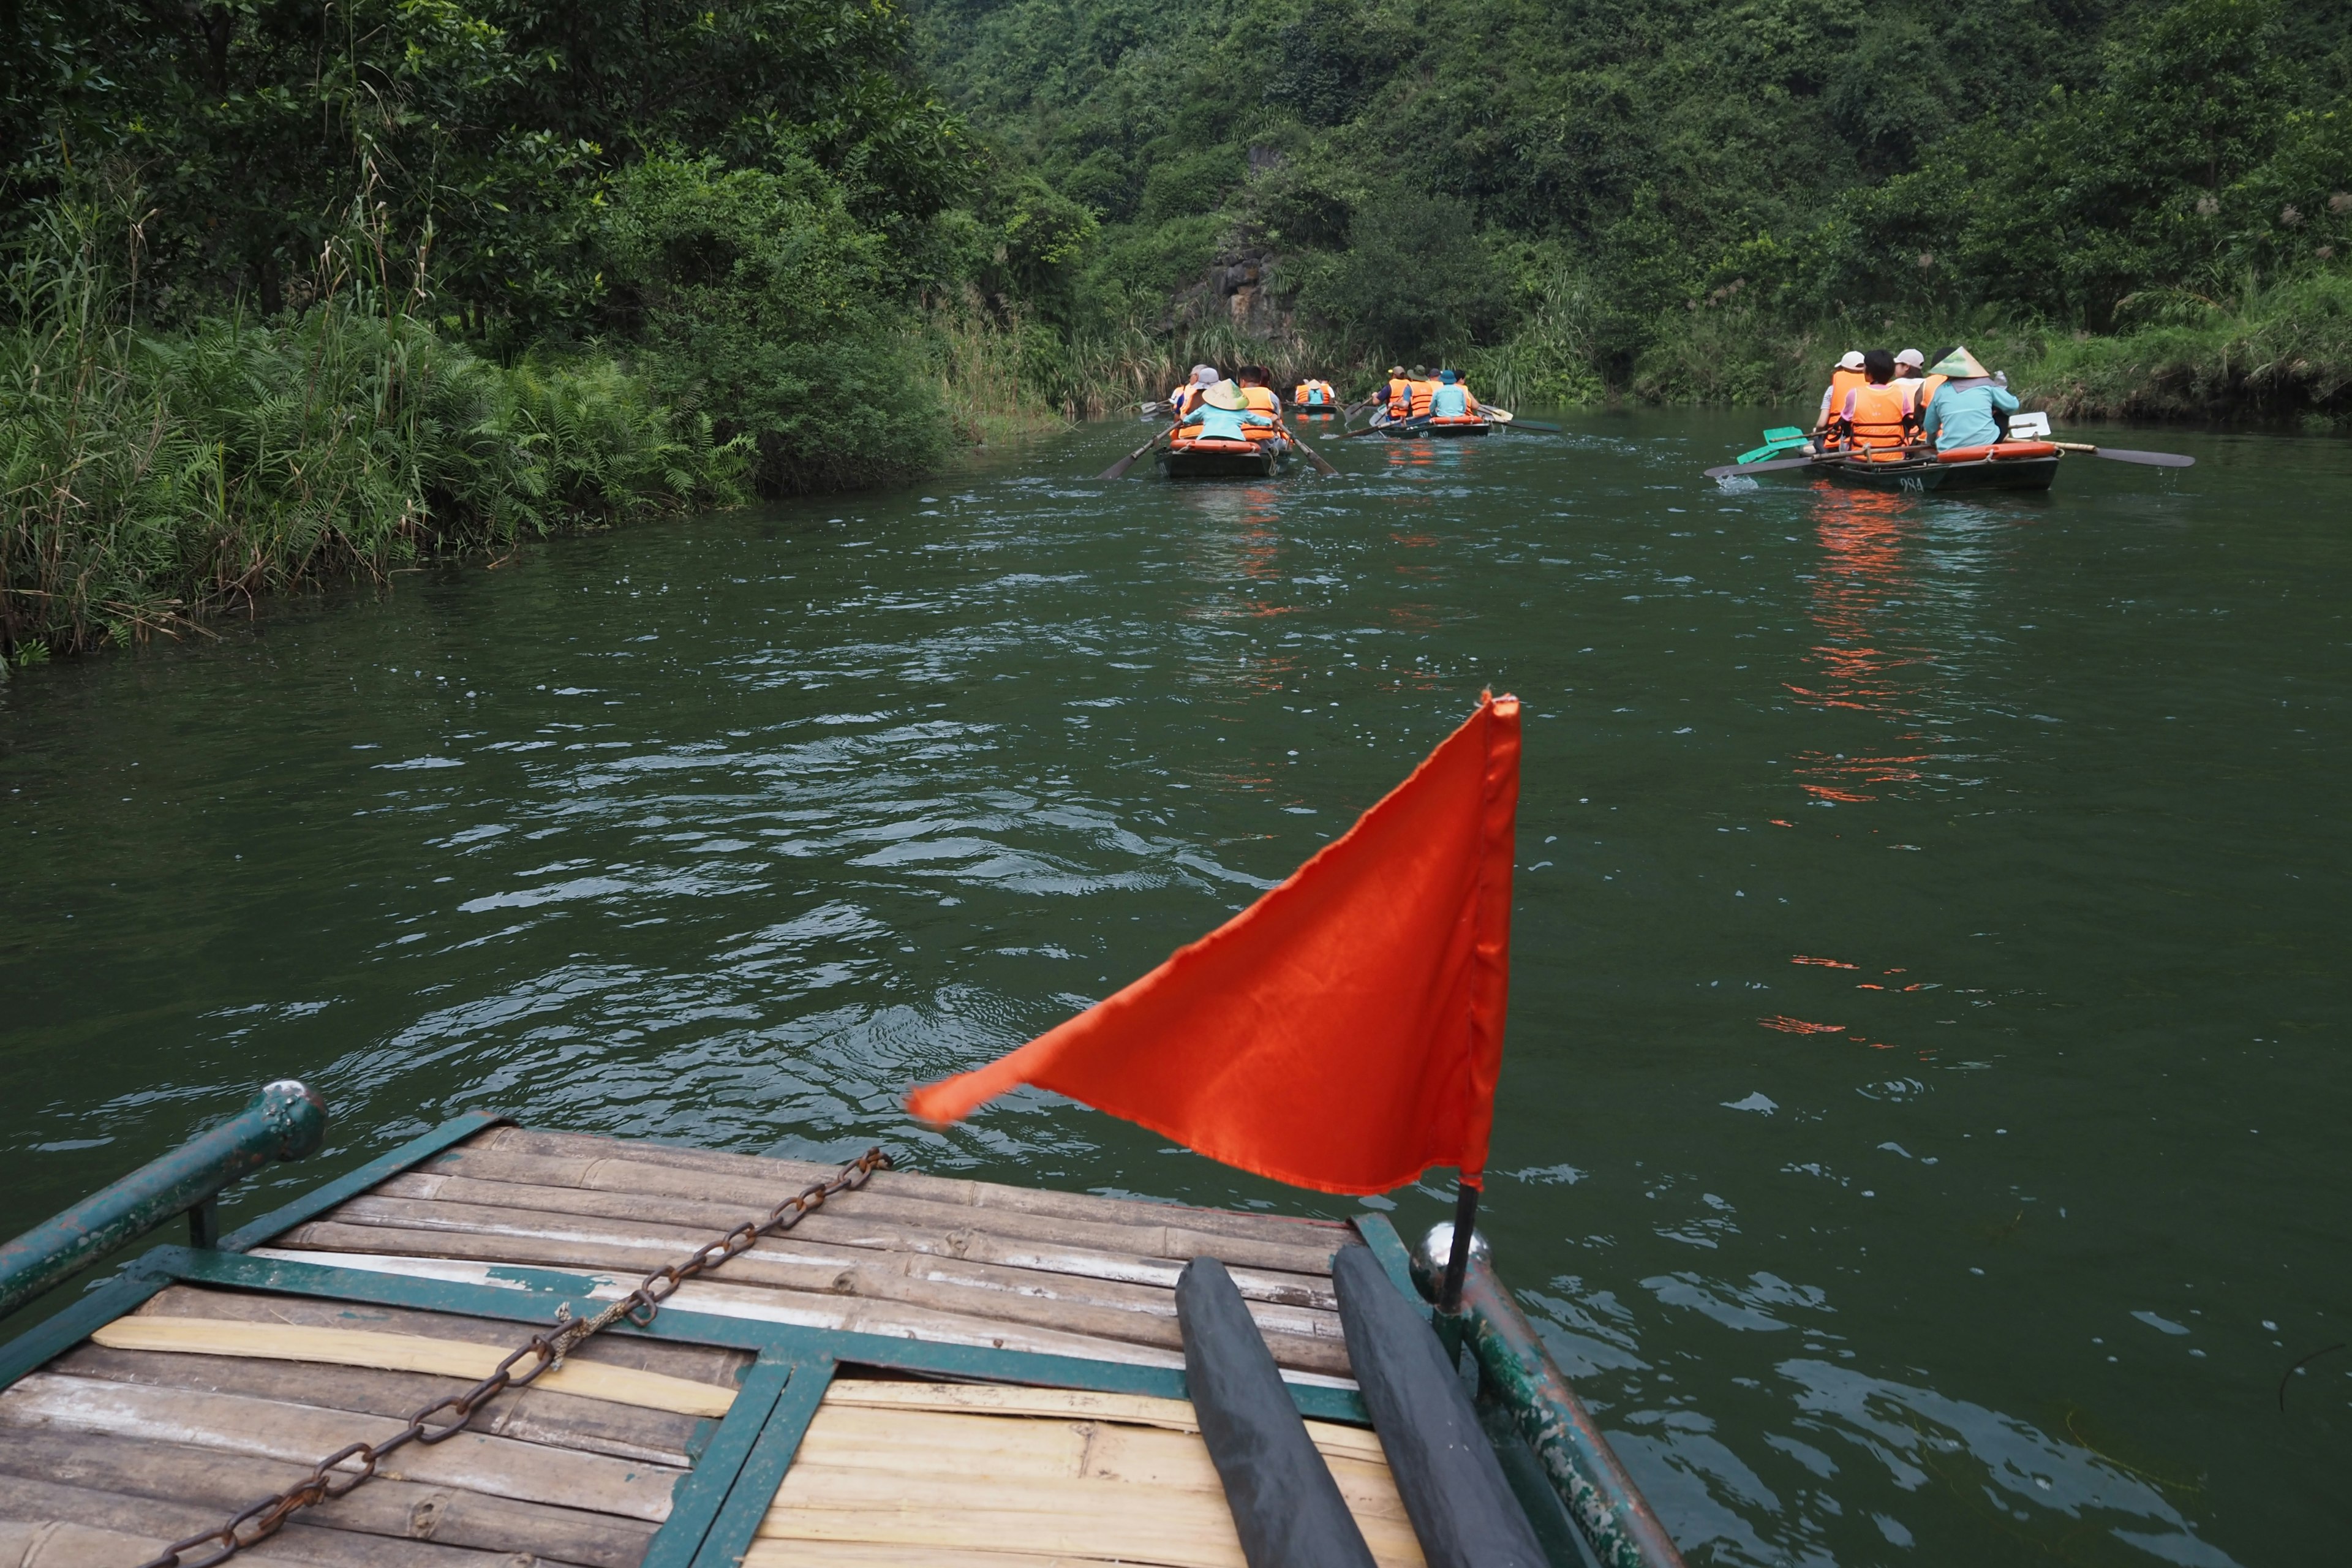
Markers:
<point>1262,400</point>
<point>1422,391</point>
<point>1400,399</point>
<point>1876,421</point>
<point>1927,392</point>
<point>1840,382</point>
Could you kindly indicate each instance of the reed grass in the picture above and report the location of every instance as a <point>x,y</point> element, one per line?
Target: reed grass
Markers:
<point>150,476</point>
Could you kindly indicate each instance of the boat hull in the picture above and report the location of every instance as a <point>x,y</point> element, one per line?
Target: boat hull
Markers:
<point>1930,477</point>
<point>1258,461</point>
<point>1438,430</point>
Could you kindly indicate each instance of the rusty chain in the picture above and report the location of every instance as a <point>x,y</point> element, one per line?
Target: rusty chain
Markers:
<point>453,1412</point>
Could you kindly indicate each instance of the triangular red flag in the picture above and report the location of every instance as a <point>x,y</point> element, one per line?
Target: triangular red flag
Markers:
<point>1344,1031</point>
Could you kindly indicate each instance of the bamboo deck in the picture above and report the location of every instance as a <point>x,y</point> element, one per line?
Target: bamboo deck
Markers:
<point>206,1399</point>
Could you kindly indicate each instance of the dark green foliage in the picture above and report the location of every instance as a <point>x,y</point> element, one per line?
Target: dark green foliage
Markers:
<point>1795,164</point>
<point>1413,279</point>
<point>146,478</point>
<point>755,295</point>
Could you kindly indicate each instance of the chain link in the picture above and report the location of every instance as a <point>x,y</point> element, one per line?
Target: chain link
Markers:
<point>326,1482</point>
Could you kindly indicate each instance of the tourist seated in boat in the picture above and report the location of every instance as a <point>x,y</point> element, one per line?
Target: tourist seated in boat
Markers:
<point>1204,376</point>
<point>1313,394</point>
<point>1451,399</point>
<point>1220,413</point>
<point>1910,374</point>
<point>1398,395</point>
<point>1875,422</point>
<point>1971,406</point>
<point>1258,396</point>
<point>1424,389</point>
<point>1847,377</point>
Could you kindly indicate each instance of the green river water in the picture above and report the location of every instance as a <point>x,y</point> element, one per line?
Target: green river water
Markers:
<point>1921,1131</point>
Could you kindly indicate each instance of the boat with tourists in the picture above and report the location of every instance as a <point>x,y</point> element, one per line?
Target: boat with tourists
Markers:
<point>1440,427</point>
<point>564,1348</point>
<point>2025,459</point>
<point>1210,458</point>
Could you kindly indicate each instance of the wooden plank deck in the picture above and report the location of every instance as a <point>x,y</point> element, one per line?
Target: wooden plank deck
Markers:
<point>205,1400</point>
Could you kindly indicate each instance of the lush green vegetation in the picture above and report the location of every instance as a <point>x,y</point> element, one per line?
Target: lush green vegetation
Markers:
<point>1672,197</point>
<point>299,288</point>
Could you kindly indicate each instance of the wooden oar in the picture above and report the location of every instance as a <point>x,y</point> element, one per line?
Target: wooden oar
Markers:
<point>1118,470</point>
<point>1313,456</point>
<point>2124,455</point>
<point>1510,421</point>
<point>1776,465</point>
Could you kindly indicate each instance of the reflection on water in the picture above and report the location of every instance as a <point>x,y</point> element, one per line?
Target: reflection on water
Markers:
<point>1916,1130</point>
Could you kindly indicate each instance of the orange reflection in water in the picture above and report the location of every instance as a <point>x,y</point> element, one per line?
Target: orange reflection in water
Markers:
<point>1864,658</point>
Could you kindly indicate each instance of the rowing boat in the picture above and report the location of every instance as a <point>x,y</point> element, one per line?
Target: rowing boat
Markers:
<point>1204,458</point>
<point>1444,427</point>
<point>2011,466</point>
<point>644,1356</point>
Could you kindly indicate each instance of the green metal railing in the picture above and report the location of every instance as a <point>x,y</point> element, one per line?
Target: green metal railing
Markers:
<point>1617,1522</point>
<point>283,1122</point>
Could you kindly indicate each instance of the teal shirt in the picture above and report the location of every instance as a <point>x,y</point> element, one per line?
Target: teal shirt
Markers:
<point>1964,415</point>
<point>1450,399</point>
<point>1225,424</point>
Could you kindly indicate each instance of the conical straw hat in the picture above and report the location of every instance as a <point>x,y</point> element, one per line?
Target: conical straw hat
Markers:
<point>1960,364</point>
<point>1224,395</point>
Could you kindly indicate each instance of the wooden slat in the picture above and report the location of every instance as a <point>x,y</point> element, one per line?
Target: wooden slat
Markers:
<point>868,1554</point>
<point>923,1480</point>
<point>713,1364</point>
<point>404,1353</point>
<point>423,1254</point>
<point>531,1416</point>
<point>1279,1230</point>
<point>220,1484</point>
<point>501,1466</point>
<point>521,1236</point>
<point>841,1235</point>
<point>36,1502</point>
<point>1076,1405</point>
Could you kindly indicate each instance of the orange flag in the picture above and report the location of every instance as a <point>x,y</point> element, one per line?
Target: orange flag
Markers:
<point>1344,1031</point>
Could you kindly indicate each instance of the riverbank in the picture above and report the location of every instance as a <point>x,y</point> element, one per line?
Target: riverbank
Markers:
<point>2279,353</point>
<point>154,479</point>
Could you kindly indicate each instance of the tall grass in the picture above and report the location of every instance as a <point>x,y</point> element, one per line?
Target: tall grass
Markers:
<point>982,367</point>
<point>2281,350</point>
<point>149,477</point>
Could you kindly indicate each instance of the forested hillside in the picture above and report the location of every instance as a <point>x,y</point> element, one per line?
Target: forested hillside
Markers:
<point>305,287</point>
<point>1683,199</point>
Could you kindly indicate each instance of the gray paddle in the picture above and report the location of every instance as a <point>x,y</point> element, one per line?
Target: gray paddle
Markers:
<point>1118,470</point>
<point>1776,465</point>
<point>1313,456</point>
<point>2124,455</point>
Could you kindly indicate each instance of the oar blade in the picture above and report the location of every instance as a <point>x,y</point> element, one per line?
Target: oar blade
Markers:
<point>1774,467</point>
<point>2150,459</point>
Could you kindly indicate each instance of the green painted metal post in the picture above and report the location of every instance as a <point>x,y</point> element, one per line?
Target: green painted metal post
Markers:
<point>283,1122</point>
<point>1610,1510</point>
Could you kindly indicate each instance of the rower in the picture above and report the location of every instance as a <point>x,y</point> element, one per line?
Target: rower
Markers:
<point>1180,400</point>
<point>1847,377</point>
<point>1451,398</point>
<point>1876,420</point>
<point>1220,413</point>
<point>1971,406</point>
<point>1910,372</point>
<point>1424,387</point>
<point>1399,393</point>
<point>1259,398</point>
